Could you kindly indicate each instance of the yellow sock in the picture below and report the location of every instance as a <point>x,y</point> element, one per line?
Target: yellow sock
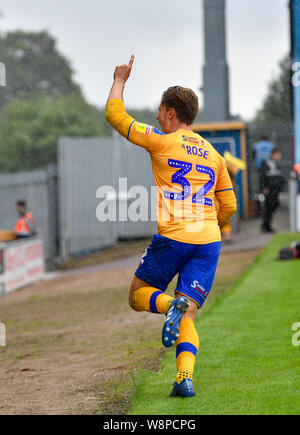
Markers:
<point>186,349</point>
<point>152,300</point>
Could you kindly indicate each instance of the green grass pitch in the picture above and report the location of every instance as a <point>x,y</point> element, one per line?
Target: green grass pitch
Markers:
<point>246,362</point>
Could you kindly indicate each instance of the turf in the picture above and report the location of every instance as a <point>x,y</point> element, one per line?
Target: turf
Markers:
<point>246,361</point>
<point>75,347</point>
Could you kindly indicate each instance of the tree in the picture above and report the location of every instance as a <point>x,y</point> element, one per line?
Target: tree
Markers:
<point>34,66</point>
<point>30,129</point>
<point>277,106</point>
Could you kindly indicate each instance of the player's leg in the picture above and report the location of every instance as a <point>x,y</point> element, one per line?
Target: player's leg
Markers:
<point>176,311</point>
<point>195,281</point>
<point>273,207</point>
<point>186,350</point>
<point>143,297</point>
<point>267,213</point>
<point>160,263</point>
<point>187,344</point>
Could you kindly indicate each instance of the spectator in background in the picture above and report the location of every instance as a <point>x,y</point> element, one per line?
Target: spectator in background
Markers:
<point>25,226</point>
<point>233,165</point>
<point>272,181</point>
<point>261,151</point>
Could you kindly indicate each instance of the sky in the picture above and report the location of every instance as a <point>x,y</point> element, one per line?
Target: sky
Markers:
<point>166,37</point>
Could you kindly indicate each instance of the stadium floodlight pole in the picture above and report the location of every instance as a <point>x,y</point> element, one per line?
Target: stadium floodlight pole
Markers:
<point>215,70</point>
<point>295,43</point>
<point>2,68</point>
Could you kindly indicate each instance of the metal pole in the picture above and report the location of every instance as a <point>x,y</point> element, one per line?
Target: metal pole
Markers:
<point>293,190</point>
<point>215,71</point>
<point>295,49</point>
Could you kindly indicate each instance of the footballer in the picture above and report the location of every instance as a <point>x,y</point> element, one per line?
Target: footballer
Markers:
<point>189,174</point>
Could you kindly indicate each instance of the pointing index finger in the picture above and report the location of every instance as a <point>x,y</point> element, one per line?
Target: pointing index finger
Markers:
<point>131,61</point>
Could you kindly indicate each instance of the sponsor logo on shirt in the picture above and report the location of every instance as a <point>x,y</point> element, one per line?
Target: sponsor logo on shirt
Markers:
<point>199,288</point>
<point>192,140</point>
<point>143,128</point>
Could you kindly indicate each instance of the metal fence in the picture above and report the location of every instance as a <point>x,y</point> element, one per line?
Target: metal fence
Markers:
<point>84,166</point>
<point>65,203</point>
<point>64,200</point>
<point>39,189</point>
<point>134,164</point>
<point>281,134</point>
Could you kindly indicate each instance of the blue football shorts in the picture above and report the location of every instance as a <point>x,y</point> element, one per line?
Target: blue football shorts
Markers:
<point>195,264</point>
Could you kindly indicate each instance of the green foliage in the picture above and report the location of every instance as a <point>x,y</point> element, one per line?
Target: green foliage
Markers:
<point>34,66</point>
<point>147,116</point>
<point>41,102</point>
<point>277,106</point>
<point>246,362</point>
<point>30,129</point>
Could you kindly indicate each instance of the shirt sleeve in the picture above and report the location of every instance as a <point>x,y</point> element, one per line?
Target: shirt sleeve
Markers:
<point>140,134</point>
<point>224,182</point>
<point>225,195</point>
<point>227,206</point>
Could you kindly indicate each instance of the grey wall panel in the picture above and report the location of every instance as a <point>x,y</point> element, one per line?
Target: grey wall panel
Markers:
<point>38,188</point>
<point>134,163</point>
<point>84,166</point>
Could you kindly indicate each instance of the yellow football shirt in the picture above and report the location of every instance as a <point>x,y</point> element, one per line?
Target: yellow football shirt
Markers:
<point>189,173</point>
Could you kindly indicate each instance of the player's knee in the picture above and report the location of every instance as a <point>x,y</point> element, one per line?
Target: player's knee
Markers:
<point>136,284</point>
<point>132,305</point>
<point>131,299</point>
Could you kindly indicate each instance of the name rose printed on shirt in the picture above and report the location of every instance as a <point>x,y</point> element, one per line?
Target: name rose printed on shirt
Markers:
<point>192,148</point>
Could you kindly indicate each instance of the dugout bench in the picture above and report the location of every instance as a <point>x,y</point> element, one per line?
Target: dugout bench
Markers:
<point>230,136</point>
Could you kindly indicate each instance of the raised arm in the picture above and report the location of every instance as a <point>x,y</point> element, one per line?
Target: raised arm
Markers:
<point>140,134</point>
<point>121,75</point>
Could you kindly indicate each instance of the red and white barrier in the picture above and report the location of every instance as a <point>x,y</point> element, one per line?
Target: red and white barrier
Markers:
<point>21,264</point>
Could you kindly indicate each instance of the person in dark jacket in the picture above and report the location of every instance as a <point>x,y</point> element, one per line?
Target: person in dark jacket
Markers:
<point>272,182</point>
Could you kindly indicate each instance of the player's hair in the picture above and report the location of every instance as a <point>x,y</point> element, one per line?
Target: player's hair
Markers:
<point>184,101</point>
<point>21,203</point>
